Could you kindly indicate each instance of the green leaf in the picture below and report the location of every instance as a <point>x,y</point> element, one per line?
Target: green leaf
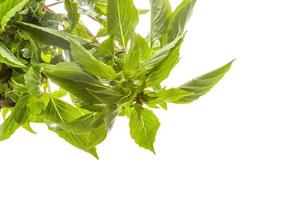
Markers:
<point>21,112</point>
<point>160,15</point>
<point>8,127</point>
<point>49,36</point>
<point>17,118</point>
<point>36,105</point>
<point>138,53</point>
<point>163,69</point>
<point>35,50</point>
<point>59,111</point>
<point>179,19</point>
<point>160,64</point>
<point>105,51</point>
<point>70,77</point>
<point>168,95</point>
<point>28,128</point>
<point>89,63</point>
<point>9,8</point>
<point>83,125</point>
<point>7,57</point>
<point>71,7</point>
<point>92,126</point>
<point>122,17</point>
<point>81,31</point>
<point>60,93</point>
<point>143,11</point>
<point>78,141</point>
<point>203,84</point>
<point>143,127</point>
<point>160,55</point>
<point>82,131</point>
<point>33,81</point>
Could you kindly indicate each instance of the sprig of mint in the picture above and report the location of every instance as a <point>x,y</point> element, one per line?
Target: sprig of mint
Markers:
<point>114,73</point>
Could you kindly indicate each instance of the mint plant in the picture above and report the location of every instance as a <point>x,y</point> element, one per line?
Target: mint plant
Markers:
<point>116,72</point>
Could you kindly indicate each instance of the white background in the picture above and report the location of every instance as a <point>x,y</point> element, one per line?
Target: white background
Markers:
<point>239,142</point>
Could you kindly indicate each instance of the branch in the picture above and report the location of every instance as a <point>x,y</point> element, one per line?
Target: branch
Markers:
<point>52,4</point>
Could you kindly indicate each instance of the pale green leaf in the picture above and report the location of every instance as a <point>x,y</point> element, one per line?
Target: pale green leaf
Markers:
<point>21,112</point>
<point>160,15</point>
<point>33,81</point>
<point>122,17</point>
<point>7,57</point>
<point>203,84</point>
<point>8,127</point>
<point>179,20</point>
<point>9,8</point>
<point>169,95</point>
<point>78,141</point>
<point>19,115</point>
<point>70,77</point>
<point>60,111</point>
<point>138,53</point>
<point>49,36</point>
<point>82,131</point>
<point>71,7</point>
<point>105,51</point>
<point>162,69</point>
<point>143,127</point>
<point>60,93</point>
<point>160,55</point>
<point>89,63</point>
<point>80,30</point>
<point>28,128</point>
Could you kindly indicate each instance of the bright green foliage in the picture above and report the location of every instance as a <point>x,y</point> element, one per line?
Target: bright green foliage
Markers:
<point>122,17</point>
<point>143,126</point>
<point>9,8</point>
<point>8,58</point>
<point>117,72</point>
<point>72,9</point>
<point>160,17</point>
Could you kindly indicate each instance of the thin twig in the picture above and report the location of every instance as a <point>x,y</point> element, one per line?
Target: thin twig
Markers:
<point>53,4</point>
<point>47,9</point>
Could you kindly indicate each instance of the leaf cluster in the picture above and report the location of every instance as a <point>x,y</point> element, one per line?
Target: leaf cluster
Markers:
<point>54,71</point>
